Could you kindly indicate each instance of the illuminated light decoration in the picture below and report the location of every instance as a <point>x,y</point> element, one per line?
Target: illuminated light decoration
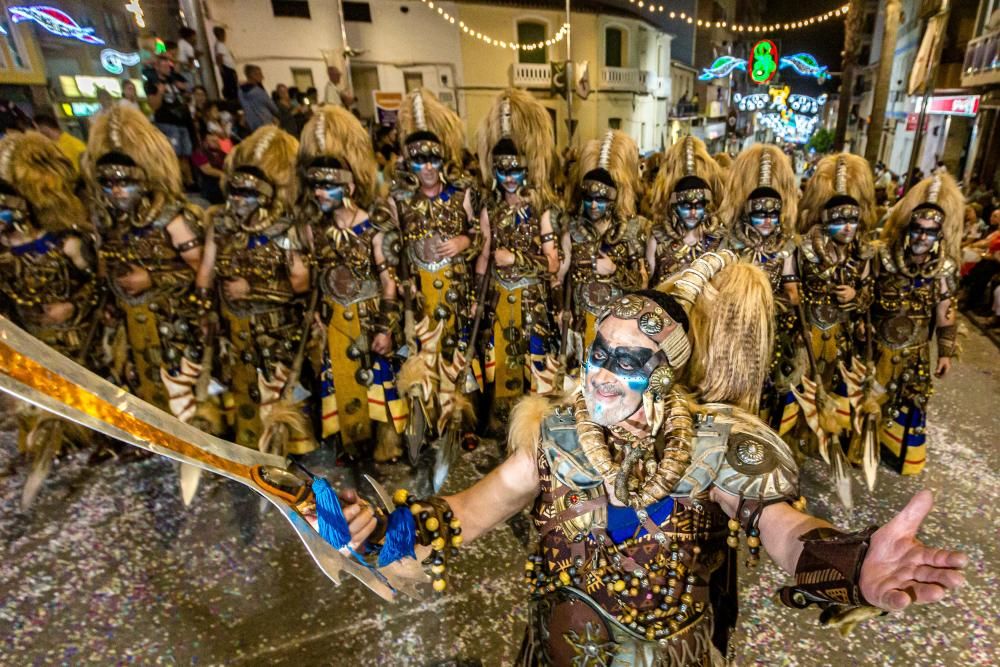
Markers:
<point>763,62</point>
<point>791,127</point>
<point>135,9</point>
<point>54,20</point>
<point>745,27</point>
<point>806,65</point>
<point>161,46</point>
<point>754,102</point>
<point>116,61</point>
<point>806,104</point>
<point>722,66</point>
<point>493,41</point>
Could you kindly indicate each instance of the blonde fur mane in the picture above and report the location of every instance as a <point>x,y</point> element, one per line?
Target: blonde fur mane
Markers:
<point>623,165</point>
<point>949,198</point>
<point>439,119</point>
<point>673,168</point>
<point>45,177</point>
<point>126,130</point>
<point>744,178</point>
<point>860,184</point>
<point>335,132</point>
<point>272,150</point>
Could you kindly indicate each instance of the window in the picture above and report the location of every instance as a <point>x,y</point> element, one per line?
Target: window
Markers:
<point>294,8</point>
<point>413,80</point>
<point>614,41</point>
<point>614,123</point>
<point>529,32</point>
<point>359,12</point>
<point>302,78</point>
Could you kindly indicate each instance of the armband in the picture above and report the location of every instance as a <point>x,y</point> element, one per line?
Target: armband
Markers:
<point>947,341</point>
<point>829,569</point>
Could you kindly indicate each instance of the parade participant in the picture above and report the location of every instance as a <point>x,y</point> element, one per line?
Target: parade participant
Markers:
<point>48,284</point>
<point>515,154</point>
<point>641,480</point>
<point>254,257</point>
<point>914,301</point>
<point>354,258</point>
<point>832,263</point>
<point>759,209</point>
<point>604,243</point>
<point>683,205</point>
<point>151,247</point>
<point>437,206</point>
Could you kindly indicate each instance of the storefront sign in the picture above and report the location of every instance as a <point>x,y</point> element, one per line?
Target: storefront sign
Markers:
<point>954,105</point>
<point>911,122</point>
<point>387,106</point>
<point>54,20</point>
<point>116,61</point>
<point>86,86</point>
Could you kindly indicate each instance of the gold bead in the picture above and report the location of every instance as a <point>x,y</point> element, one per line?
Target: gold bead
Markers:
<point>437,543</point>
<point>564,577</point>
<point>634,592</point>
<point>432,524</point>
<point>455,524</point>
<point>734,525</point>
<point>733,541</point>
<point>619,586</point>
<point>456,540</point>
<point>416,509</point>
<point>753,541</point>
<point>437,569</point>
<point>529,566</point>
<point>399,498</point>
<point>439,585</point>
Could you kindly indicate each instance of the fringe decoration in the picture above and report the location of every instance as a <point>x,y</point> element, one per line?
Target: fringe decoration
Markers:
<point>332,525</point>
<point>400,537</point>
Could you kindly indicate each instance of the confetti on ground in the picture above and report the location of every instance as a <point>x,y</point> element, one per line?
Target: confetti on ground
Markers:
<point>109,567</point>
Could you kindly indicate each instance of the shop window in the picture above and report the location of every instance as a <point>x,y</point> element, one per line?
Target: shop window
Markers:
<point>302,78</point>
<point>614,123</point>
<point>531,32</point>
<point>293,8</point>
<point>359,12</point>
<point>413,80</point>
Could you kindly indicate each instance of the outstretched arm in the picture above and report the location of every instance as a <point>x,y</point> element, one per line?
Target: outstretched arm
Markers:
<point>897,570</point>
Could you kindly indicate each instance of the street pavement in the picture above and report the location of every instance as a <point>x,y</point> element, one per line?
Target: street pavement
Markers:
<point>108,567</point>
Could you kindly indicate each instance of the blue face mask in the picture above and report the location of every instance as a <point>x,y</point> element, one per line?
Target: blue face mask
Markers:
<point>418,163</point>
<point>511,180</point>
<point>7,217</point>
<point>842,231</point>
<point>243,204</point>
<point>765,223</point>
<point>690,214</point>
<point>329,197</point>
<point>123,195</point>
<point>630,364</point>
<point>595,209</point>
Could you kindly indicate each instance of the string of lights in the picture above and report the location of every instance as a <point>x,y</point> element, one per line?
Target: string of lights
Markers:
<point>493,41</point>
<point>657,8</point>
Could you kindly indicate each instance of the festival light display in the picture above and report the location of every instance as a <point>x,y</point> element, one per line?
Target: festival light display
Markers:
<point>116,61</point>
<point>761,71</point>
<point>135,9</point>
<point>792,117</point>
<point>54,20</point>
<point>763,62</point>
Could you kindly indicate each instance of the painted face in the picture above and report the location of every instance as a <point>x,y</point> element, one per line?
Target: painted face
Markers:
<point>123,194</point>
<point>843,230</point>
<point>243,203</point>
<point>691,214</point>
<point>923,234</point>
<point>427,169</point>
<point>765,222</point>
<point>596,208</point>
<point>329,196</point>
<point>7,217</point>
<point>618,367</point>
<point>511,180</point>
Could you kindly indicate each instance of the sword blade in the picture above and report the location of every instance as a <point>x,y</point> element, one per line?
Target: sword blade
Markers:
<point>34,372</point>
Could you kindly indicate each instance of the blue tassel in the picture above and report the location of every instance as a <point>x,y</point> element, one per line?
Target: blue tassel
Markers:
<point>332,524</point>
<point>400,537</point>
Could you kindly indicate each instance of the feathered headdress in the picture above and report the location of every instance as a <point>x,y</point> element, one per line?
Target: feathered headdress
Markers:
<point>34,166</point>
<point>520,118</point>
<point>423,112</point>
<point>939,193</point>
<point>334,132</point>
<point>126,131</point>
<point>760,166</point>
<point>726,300</point>
<point>688,157</point>
<point>617,156</point>
<point>271,151</point>
<point>840,175</point>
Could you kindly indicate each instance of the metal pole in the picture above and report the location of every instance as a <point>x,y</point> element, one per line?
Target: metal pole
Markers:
<point>928,85</point>
<point>570,79</point>
<point>347,49</point>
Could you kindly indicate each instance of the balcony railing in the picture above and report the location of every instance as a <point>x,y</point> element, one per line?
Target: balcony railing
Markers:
<point>982,61</point>
<point>530,75</point>
<point>631,80</point>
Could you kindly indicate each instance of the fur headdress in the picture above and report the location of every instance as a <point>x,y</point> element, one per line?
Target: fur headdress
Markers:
<point>839,174</point>
<point>688,157</point>
<point>125,130</point>
<point>516,115</point>
<point>335,132</point>
<point>272,151</point>
<point>617,155</point>
<point>725,162</point>
<point>34,166</point>
<point>726,300</point>
<point>422,111</point>
<point>761,165</point>
<point>941,193</point>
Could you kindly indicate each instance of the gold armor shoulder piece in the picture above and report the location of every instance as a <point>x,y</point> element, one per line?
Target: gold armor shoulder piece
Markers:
<point>808,251</point>
<point>887,260</point>
<point>742,456</point>
<point>560,443</point>
<point>382,217</point>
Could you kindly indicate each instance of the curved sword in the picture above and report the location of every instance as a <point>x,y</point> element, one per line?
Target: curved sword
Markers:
<point>36,373</point>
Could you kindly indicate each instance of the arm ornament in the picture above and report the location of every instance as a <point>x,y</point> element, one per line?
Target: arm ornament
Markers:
<point>828,575</point>
<point>389,315</point>
<point>947,341</point>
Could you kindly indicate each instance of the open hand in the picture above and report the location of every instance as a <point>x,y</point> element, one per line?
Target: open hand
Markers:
<point>899,570</point>
<point>453,246</point>
<point>135,282</point>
